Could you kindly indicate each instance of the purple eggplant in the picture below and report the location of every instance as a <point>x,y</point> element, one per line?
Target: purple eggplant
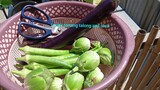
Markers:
<point>96,15</point>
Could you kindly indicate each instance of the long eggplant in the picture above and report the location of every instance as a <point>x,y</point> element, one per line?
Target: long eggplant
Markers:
<point>104,9</point>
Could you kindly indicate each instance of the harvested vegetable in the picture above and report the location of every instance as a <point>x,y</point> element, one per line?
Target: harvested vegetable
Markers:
<point>73,81</point>
<point>43,51</point>
<point>71,61</point>
<point>96,46</point>
<point>35,65</point>
<point>81,45</point>
<point>89,60</point>
<point>105,56</point>
<point>59,72</point>
<point>66,56</point>
<point>56,84</point>
<point>47,61</point>
<point>24,72</point>
<point>93,77</point>
<point>44,66</point>
<point>35,83</point>
<point>21,73</point>
<point>38,79</point>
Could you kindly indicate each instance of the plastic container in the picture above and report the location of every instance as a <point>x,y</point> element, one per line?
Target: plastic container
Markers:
<point>118,35</point>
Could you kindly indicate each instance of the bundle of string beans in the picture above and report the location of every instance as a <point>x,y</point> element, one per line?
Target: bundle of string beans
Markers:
<point>45,67</point>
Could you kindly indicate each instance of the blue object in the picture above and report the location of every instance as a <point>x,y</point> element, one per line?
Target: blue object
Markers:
<point>47,32</point>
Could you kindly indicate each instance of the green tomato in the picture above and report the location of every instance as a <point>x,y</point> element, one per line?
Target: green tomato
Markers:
<point>89,60</point>
<point>93,77</point>
<point>56,84</point>
<point>38,79</point>
<point>105,56</point>
<point>35,83</point>
<point>81,45</point>
<point>73,81</point>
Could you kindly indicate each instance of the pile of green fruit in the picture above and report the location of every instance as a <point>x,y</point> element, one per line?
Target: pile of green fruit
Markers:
<point>73,69</point>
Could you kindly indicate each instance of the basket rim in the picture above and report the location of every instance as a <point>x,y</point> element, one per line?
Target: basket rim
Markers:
<point>130,43</point>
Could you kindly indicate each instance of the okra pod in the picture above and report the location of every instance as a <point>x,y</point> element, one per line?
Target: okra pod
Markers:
<point>44,60</point>
<point>43,51</point>
<point>71,61</point>
<point>59,72</point>
<point>56,71</point>
<point>34,65</point>
<point>23,73</point>
<point>66,56</point>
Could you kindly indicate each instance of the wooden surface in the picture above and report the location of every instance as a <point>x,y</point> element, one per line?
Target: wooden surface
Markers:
<point>138,42</point>
<point>142,71</point>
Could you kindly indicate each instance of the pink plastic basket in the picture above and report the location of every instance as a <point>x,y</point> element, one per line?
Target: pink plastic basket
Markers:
<point>119,37</point>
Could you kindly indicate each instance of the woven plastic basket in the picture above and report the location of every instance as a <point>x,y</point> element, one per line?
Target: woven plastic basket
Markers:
<point>119,37</point>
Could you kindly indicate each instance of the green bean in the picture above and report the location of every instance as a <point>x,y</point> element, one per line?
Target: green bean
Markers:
<point>43,51</point>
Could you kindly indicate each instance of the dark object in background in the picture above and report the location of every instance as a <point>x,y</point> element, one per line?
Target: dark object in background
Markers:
<point>18,7</point>
<point>103,10</point>
<point>14,2</point>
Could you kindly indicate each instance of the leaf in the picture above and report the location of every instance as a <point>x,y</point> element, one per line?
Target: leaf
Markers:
<point>95,2</point>
<point>5,3</point>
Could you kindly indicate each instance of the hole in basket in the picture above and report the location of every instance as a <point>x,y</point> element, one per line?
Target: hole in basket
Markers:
<point>142,31</point>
